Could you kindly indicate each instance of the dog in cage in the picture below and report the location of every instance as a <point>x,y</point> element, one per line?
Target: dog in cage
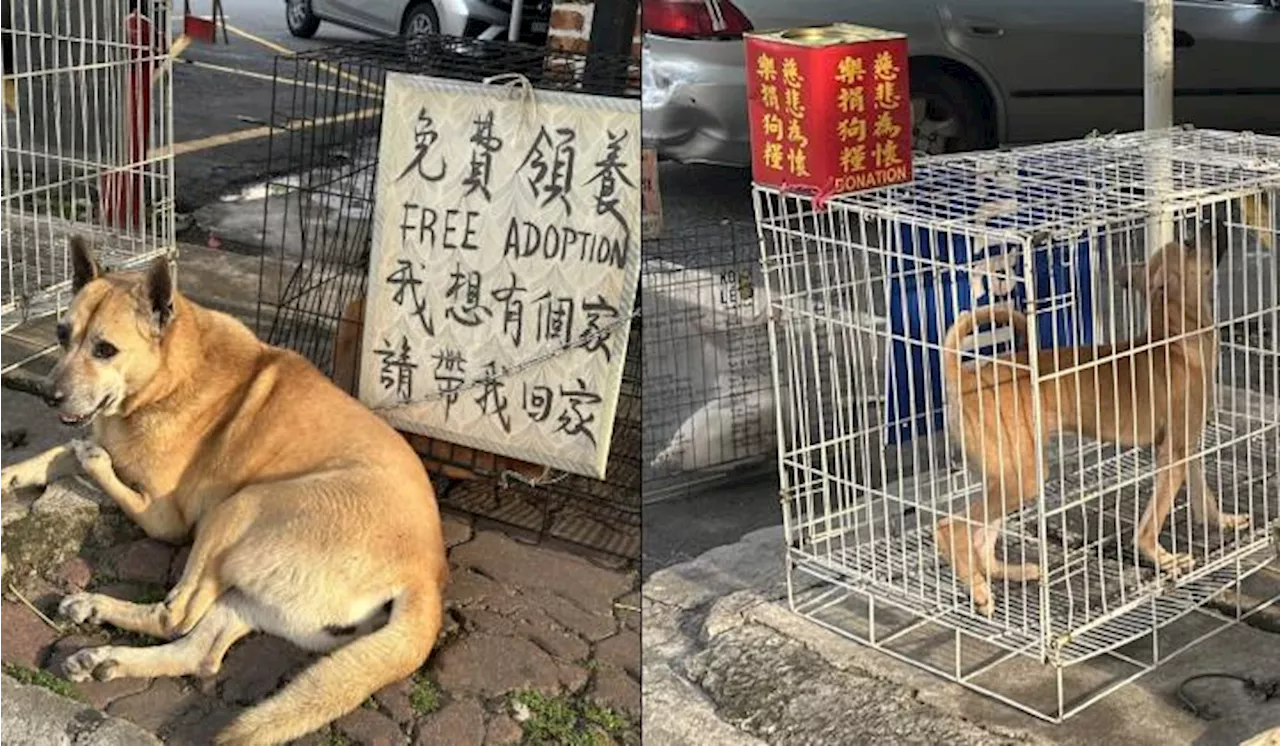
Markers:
<point>312,519</point>
<point>8,91</point>
<point>1151,391</point>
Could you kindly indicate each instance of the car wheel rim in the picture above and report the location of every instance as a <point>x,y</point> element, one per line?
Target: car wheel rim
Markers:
<point>420,25</point>
<point>933,125</point>
<point>298,12</point>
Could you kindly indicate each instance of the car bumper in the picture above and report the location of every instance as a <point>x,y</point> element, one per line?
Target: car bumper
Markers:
<point>479,20</point>
<point>694,102</point>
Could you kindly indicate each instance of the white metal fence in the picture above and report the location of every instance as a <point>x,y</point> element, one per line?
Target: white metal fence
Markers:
<point>86,145</point>
<point>997,503</point>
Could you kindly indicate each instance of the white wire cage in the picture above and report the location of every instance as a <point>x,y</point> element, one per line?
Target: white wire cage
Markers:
<point>86,148</point>
<point>708,388</point>
<point>878,463</point>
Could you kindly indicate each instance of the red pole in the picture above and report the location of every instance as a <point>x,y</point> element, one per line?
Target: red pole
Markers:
<point>122,192</point>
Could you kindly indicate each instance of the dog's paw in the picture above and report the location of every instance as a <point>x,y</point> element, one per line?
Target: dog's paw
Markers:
<point>80,608</point>
<point>1233,521</point>
<point>984,601</point>
<point>18,477</point>
<point>93,458</point>
<point>1172,564</point>
<point>92,663</point>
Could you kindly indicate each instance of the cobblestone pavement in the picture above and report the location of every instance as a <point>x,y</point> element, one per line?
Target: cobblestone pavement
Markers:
<point>541,646</point>
<point>726,663</point>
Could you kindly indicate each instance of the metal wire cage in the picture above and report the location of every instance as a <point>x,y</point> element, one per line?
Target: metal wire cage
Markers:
<point>980,503</point>
<point>708,390</point>
<point>327,105</point>
<point>85,148</point>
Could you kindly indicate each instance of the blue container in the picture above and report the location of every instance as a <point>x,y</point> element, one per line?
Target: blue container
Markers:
<point>924,300</point>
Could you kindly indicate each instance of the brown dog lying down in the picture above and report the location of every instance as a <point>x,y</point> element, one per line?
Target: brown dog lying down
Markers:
<point>313,520</point>
<point>1150,391</point>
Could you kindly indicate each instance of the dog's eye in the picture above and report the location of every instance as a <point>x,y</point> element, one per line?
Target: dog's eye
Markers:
<point>64,334</point>
<point>104,350</point>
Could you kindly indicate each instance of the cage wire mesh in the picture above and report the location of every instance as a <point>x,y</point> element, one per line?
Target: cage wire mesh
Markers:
<point>85,148</point>
<point>898,457</point>
<point>708,388</point>
<point>327,107</point>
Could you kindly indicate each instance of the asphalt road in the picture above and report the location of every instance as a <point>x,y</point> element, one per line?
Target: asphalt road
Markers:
<point>696,194</point>
<point>207,102</point>
<point>694,520</point>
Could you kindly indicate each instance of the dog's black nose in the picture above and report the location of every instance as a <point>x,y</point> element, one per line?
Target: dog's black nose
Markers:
<point>54,398</point>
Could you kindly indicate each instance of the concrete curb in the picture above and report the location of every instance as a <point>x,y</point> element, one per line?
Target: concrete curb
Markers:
<point>719,639</point>
<point>34,716</point>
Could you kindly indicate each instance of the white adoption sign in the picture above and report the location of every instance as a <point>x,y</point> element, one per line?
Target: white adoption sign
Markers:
<point>502,280</point>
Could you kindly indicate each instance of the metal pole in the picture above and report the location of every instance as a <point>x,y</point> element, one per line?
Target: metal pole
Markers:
<point>1157,110</point>
<point>1157,42</point>
<point>517,15</point>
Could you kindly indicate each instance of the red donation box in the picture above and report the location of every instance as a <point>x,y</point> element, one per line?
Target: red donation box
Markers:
<point>830,108</point>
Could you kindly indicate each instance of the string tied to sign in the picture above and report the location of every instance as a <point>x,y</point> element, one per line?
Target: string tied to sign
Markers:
<point>517,83</point>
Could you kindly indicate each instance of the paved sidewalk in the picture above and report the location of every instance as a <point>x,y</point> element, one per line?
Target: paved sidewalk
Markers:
<point>539,643</point>
<point>727,663</point>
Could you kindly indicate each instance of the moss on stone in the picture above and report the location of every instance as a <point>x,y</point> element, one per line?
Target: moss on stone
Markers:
<point>38,544</point>
<point>424,696</point>
<point>570,721</point>
<point>34,677</point>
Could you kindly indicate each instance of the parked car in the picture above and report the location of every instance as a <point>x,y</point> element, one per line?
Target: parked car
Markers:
<point>983,72</point>
<point>473,19</point>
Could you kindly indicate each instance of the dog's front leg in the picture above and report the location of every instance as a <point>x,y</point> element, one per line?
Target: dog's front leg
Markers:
<point>38,471</point>
<point>1204,504</point>
<point>158,518</point>
<point>1173,472</point>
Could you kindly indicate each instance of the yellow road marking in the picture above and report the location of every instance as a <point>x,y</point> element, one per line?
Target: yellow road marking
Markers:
<point>290,53</point>
<point>227,138</point>
<point>175,51</point>
<point>272,78</point>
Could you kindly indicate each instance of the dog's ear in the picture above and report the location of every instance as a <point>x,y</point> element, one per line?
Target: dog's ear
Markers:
<point>160,291</point>
<point>1157,276</point>
<point>84,268</point>
<point>1132,277</point>
<point>1212,244</point>
<point>1220,240</point>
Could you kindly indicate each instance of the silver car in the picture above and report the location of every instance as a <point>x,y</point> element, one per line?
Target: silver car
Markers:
<point>475,19</point>
<point>983,72</point>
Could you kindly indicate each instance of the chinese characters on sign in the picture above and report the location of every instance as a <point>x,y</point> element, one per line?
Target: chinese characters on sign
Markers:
<point>504,268</point>
<point>866,146</point>
<point>829,108</point>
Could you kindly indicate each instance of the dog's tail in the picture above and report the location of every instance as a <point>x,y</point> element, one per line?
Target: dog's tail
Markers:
<point>343,680</point>
<point>952,366</point>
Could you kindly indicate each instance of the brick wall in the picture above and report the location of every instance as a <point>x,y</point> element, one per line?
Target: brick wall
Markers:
<point>570,28</point>
<point>570,31</point>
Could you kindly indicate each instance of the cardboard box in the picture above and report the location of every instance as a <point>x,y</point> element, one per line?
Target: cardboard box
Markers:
<point>830,108</point>
<point>650,195</point>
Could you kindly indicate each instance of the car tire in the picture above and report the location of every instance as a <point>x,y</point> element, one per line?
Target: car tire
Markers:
<point>948,115</point>
<point>301,21</point>
<point>420,20</point>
